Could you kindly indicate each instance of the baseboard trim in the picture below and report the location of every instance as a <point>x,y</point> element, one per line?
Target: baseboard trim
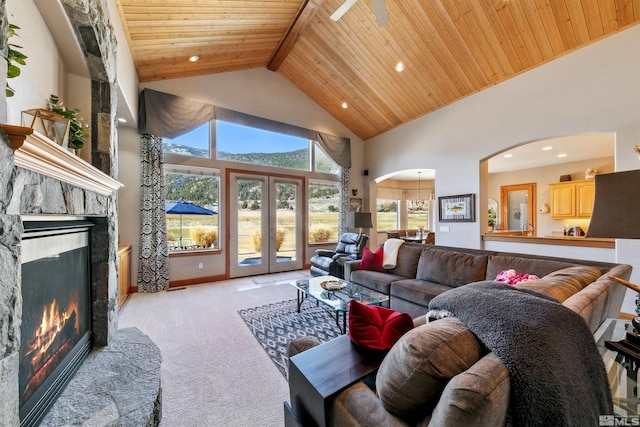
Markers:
<point>188,282</point>
<point>197,280</point>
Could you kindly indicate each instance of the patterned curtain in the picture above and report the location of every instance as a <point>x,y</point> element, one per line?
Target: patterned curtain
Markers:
<point>344,199</point>
<point>153,269</point>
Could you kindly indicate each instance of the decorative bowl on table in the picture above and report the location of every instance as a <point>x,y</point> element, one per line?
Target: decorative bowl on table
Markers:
<point>332,285</point>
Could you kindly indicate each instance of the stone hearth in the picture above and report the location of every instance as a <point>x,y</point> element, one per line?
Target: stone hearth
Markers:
<point>116,386</point>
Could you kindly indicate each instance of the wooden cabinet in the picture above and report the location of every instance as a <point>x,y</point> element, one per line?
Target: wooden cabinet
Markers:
<point>572,199</point>
<point>124,273</point>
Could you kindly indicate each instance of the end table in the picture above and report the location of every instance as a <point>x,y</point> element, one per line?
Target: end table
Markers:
<point>621,370</point>
<point>318,375</point>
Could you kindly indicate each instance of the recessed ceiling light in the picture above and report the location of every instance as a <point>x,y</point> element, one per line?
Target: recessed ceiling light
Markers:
<point>547,148</point>
<point>399,67</point>
<point>122,120</point>
<point>194,58</point>
<point>345,105</point>
<point>562,155</point>
<point>506,156</point>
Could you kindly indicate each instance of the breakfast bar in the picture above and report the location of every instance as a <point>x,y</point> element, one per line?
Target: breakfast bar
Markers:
<point>551,240</point>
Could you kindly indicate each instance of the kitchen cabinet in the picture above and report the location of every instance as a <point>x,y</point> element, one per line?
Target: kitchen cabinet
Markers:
<point>572,199</point>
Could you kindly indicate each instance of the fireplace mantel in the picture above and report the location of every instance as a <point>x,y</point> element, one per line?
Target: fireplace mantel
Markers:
<point>42,155</point>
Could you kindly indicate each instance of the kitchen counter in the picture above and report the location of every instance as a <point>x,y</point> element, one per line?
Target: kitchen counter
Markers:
<point>517,237</point>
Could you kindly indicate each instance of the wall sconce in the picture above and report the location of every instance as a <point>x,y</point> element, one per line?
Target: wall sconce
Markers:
<point>354,191</point>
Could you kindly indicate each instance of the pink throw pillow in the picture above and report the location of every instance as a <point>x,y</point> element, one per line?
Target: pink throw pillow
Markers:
<point>376,328</point>
<point>371,260</point>
<point>510,277</point>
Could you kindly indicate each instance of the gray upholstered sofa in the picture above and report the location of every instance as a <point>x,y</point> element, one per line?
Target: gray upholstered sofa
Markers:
<point>439,374</point>
<point>424,271</point>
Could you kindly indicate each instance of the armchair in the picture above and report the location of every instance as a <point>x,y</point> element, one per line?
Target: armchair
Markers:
<point>326,262</point>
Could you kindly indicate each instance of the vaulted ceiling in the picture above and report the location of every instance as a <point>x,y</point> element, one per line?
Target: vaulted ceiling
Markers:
<point>450,48</point>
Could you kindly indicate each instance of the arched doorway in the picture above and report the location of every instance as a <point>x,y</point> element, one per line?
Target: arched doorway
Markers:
<point>543,162</point>
<point>403,200</point>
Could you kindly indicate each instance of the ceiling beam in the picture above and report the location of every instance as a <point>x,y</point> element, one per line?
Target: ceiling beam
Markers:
<point>303,17</point>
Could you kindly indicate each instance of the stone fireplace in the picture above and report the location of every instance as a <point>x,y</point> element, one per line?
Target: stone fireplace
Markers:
<point>48,185</point>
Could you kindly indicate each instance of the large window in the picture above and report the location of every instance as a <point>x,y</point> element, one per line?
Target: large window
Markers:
<point>417,219</point>
<point>245,144</point>
<point>194,143</point>
<point>192,203</point>
<point>387,212</point>
<point>324,208</point>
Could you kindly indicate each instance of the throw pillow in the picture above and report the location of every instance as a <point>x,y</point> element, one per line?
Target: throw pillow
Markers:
<point>564,283</point>
<point>511,277</point>
<point>415,371</point>
<point>371,260</point>
<point>376,328</point>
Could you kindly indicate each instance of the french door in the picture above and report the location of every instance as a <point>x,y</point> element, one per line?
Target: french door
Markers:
<point>266,229</point>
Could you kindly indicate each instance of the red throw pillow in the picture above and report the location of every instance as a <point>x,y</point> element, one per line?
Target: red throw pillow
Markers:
<point>372,260</point>
<point>375,327</point>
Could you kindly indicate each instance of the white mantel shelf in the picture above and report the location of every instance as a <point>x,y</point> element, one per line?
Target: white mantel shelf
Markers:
<point>40,154</point>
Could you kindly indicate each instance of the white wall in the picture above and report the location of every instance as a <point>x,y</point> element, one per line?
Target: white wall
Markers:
<point>126,73</point>
<point>595,89</point>
<point>44,73</point>
<point>258,92</point>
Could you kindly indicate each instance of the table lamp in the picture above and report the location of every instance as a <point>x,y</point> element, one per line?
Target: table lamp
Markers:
<point>359,220</point>
<point>616,213</point>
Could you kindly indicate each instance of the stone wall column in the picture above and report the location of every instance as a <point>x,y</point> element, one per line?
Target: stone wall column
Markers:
<point>90,21</point>
<point>10,235</point>
<point>10,314</point>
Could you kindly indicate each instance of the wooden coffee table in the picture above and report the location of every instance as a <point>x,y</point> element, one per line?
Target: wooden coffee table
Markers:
<point>337,301</point>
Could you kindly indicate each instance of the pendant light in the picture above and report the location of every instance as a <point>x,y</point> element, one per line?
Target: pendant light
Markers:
<point>420,204</point>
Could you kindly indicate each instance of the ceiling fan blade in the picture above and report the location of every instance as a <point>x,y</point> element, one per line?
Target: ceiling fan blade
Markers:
<point>381,12</point>
<point>342,9</point>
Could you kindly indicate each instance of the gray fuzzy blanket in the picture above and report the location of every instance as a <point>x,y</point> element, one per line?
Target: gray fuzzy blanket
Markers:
<point>557,376</point>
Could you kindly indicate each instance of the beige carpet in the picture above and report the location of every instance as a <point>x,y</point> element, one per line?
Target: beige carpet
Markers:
<point>214,371</point>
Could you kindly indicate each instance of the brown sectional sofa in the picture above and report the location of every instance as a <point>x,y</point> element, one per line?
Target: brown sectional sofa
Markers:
<point>439,374</point>
<point>424,271</point>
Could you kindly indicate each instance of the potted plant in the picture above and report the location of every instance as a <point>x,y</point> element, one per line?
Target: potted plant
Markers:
<point>14,59</point>
<point>77,127</point>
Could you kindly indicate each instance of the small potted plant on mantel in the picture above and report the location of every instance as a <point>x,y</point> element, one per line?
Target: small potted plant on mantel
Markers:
<point>77,127</point>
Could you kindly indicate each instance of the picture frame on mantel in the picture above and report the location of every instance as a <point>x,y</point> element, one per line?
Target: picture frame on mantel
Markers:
<point>459,208</point>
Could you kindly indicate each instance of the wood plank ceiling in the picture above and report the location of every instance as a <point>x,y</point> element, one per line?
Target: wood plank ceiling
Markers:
<point>450,48</point>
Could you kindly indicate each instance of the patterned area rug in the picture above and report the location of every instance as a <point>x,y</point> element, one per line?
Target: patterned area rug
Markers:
<point>275,325</point>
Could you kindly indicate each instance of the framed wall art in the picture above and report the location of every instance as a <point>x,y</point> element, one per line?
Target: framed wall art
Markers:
<point>354,204</point>
<point>460,208</point>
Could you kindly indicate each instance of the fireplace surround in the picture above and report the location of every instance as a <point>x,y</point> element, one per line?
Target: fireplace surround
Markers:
<point>25,191</point>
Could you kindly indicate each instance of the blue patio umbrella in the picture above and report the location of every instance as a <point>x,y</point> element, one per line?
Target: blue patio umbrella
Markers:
<point>185,208</point>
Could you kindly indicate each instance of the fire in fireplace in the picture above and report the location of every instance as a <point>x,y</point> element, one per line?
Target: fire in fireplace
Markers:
<point>56,312</point>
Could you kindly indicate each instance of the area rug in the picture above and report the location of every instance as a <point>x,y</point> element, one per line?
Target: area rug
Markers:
<point>275,325</point>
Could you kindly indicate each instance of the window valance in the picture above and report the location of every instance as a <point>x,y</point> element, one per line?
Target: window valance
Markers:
<point>169,116</point>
